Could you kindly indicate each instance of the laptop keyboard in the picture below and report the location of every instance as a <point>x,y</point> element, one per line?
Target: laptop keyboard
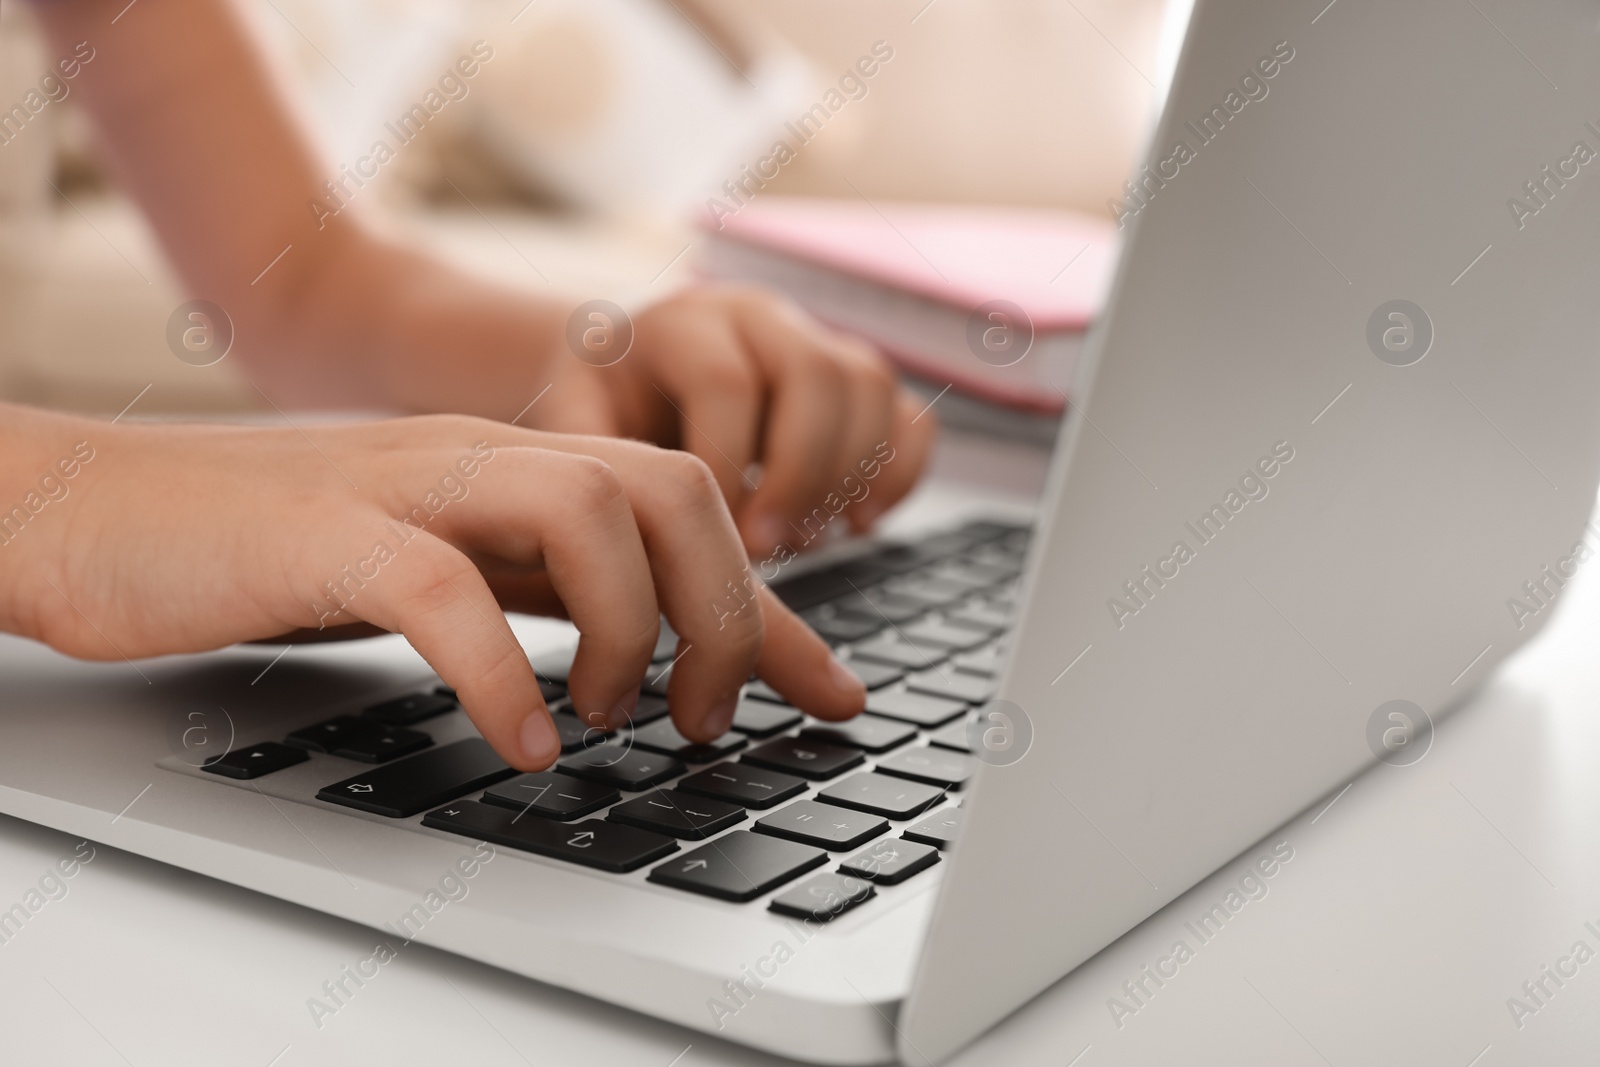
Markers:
<point>781,795</point>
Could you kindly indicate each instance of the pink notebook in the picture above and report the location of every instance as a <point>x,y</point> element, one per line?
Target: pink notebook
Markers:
<point>910,276</point>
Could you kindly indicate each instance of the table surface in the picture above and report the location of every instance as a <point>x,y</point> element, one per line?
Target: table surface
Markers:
<point>1418,902</point>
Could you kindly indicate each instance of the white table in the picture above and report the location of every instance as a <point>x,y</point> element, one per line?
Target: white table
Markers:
<point>1417,902</point>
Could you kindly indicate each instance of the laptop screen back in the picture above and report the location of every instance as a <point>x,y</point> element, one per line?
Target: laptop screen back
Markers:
<point>1336,443</point>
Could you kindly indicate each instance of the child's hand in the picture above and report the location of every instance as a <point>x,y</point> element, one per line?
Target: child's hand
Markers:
<point>184,538</point>
<point>331,312</point>
<point>741,377</point>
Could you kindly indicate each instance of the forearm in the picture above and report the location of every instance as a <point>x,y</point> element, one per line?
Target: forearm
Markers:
<point>325,312</point>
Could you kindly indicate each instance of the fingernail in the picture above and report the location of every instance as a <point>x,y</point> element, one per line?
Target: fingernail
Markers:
<point>844,679</point>
<point>720,719</point>
<point>540,745</point>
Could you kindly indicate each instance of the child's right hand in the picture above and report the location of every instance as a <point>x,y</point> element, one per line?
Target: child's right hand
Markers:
<point>176,539</point>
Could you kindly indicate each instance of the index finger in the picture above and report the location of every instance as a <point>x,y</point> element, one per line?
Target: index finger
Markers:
<point>435,596</point>
<point>705,589</point>
<point>801,666</point>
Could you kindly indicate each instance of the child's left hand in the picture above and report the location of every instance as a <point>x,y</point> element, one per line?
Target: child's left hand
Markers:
<point>742,378</point>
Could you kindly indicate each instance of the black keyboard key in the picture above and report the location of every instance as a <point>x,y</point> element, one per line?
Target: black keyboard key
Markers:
<point>899,559</point>
<point>411,709</point>
<point>942,635</point>
<point>875,675</point>
<point>935,766</point>
<point>823,898</point>
<point>986,661</point>
<point>551,795</point>
<point>327,736</point>
<point>918,708</point>
<point>616,765</point>
<point>967,565</point>
<point>576,734</point>
<point>907,557</point>
<point>809,759</point>
<point>664,737</point>
<point>953,574</point>
<point>740,783</point>
<point>863,571</point>
<point>994,554</point>
<point>931,591</point>
<point>955,737</point>
<point>867,732</point>
<point>890,862</point>
<point>985,617</point>
<point>667,811</point>
<point>842,629</point>
<point>399,790</point>
<point>897,652</point>
<point>255,761</point>
<point>383,747</point>
<point>762,691</point>
<point>656,679</point>
<point>649,709</point>
<point>893,798</point>
<point>879,604</point>
<point>939,829</point>
<point>757,718</point>
<point>953,685</point>
<point>1005,599</point>
<point>983,530</point>
<point>602,845</point>
<point>823,825</point>
<point>738,867</point>
<point>805,591</point>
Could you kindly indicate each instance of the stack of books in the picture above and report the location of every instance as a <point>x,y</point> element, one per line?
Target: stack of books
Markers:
<point>986,304</point>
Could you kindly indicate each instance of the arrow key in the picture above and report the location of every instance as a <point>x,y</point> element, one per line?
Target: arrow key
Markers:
<point>739,866</point>
<point>823,898</point>
<point>890,861</point>
<point>602,845</point>
<point>253,762</point>
<point>939,829</point>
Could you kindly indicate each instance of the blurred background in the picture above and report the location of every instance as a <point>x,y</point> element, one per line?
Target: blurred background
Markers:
<point>583,154</point>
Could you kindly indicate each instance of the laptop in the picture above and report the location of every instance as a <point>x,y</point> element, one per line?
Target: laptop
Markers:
<point>1330,458</point>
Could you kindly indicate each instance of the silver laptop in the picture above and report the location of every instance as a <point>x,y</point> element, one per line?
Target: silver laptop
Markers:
<point>1329,463</point>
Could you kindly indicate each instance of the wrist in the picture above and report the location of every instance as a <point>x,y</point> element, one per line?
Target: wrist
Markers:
<point>50,459</point>
<point>380,324</point>
<point>446,340</point>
